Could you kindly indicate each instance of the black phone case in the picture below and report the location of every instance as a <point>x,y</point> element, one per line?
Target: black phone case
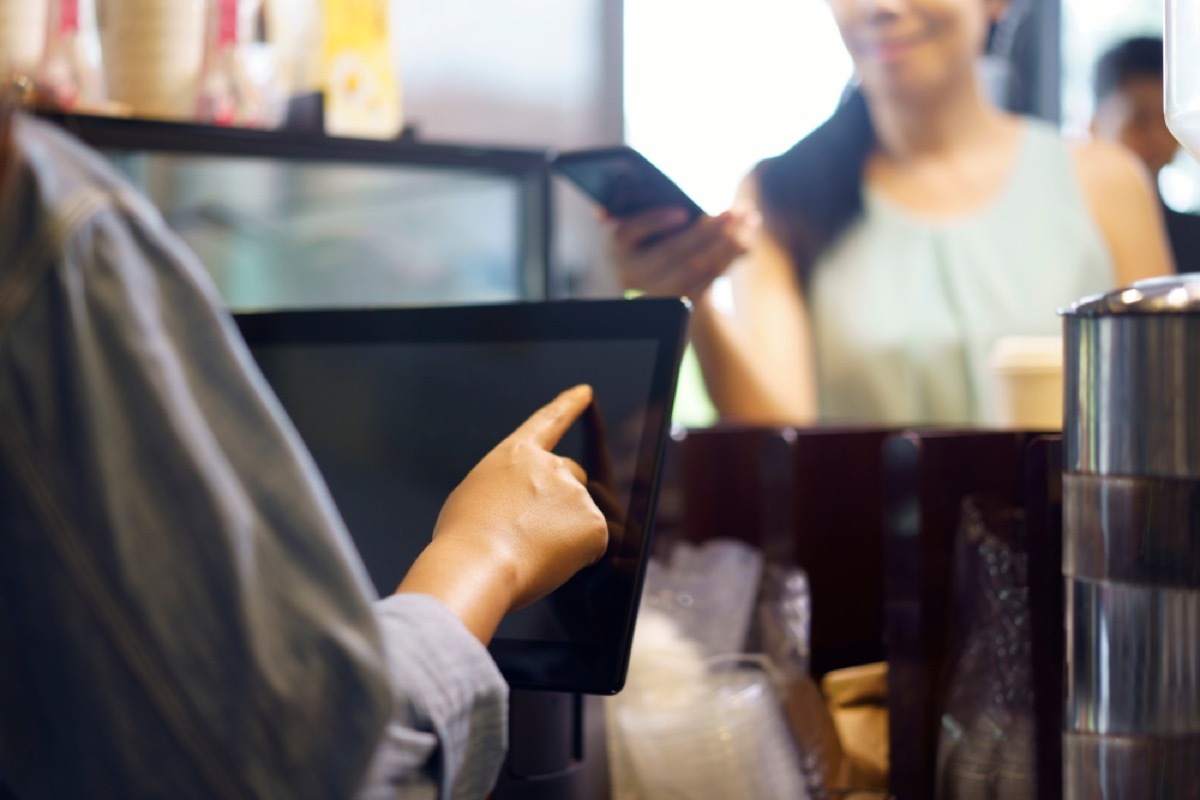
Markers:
<point>623,181</point>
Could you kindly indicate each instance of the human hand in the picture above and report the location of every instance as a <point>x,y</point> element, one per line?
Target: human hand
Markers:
<point>518,526</point>
<point>657,253</point>
<point>602,479</point>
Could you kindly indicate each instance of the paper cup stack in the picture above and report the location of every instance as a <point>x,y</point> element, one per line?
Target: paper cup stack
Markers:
<point>22,34</point>
<point>153,53</point>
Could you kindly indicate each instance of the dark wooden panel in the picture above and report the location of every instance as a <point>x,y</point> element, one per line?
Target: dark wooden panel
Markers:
<point>811,497</point>
<point>928,474</point>
<point>1043,509</point>
<point>872,516</point>
<point>838,500</point>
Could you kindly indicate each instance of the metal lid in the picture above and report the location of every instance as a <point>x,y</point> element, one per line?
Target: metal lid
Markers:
<point>1174,294</point>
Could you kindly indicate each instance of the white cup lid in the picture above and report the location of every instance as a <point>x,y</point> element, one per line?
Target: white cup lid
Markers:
<point>1027,353</point>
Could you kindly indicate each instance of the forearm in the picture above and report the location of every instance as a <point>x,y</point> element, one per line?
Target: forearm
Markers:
<point>475,586</point>
<point>743,380</point>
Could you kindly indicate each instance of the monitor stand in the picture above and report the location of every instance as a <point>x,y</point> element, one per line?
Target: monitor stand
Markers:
<point>556,748</point>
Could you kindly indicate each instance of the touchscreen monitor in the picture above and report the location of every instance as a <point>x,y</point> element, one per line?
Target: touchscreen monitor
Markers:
<point>397,405</point>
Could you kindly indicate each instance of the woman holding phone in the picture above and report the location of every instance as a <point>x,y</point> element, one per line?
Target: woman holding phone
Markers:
<point>875,262</point>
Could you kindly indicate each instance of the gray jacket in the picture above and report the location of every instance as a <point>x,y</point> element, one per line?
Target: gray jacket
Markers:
<point>182,614</point>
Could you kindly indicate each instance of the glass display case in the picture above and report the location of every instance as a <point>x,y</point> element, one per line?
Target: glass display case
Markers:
<point>289,220</point>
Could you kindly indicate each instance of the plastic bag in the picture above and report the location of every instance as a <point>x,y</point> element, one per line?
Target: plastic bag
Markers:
<point>986,744</point>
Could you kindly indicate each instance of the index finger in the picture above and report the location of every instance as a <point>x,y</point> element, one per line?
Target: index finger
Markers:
<point>551,421</point>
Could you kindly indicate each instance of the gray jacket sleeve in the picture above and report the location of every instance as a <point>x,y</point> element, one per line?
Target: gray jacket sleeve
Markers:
<point>452,694</point>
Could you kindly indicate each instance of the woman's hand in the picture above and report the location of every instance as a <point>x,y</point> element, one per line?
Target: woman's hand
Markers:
<point>519,525</point>
<point>658,253</point>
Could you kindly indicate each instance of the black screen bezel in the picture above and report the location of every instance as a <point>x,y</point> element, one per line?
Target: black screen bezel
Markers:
<point>549,666</point>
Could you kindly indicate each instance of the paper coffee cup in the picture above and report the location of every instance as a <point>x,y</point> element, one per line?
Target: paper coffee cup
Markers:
<point>1027,377</point>
<point>153,55</point>
<point>22,34</point>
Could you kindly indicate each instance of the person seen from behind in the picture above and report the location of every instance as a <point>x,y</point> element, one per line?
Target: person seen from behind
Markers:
<point>182,612</point>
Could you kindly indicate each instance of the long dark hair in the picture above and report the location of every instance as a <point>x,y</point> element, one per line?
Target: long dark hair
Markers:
<point>811,193</point>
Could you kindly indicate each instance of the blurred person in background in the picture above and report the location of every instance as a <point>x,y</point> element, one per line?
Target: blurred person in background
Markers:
<point>874,263</point>
<point>1128,89</point>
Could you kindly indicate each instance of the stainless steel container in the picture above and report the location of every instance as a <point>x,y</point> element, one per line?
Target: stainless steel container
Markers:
<point>1131,547</point>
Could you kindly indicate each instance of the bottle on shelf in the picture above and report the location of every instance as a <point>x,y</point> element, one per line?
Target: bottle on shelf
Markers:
<point>359,75</point>
<point>227,95</point>
<point>22,27</point>
<point>67,77</point>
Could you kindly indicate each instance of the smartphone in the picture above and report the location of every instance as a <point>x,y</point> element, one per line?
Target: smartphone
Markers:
<point>623,181</point>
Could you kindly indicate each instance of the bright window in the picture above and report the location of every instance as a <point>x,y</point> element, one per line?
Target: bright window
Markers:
<point>713,87</point>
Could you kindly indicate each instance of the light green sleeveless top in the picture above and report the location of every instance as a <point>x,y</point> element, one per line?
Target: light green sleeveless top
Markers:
<point>905,309</point>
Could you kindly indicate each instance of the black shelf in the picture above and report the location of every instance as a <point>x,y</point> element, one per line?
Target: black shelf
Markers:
<point>527,168</point>
<point>123,133</point>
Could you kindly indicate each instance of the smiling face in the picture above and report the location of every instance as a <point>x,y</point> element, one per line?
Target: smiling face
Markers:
<point>914,49</point>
